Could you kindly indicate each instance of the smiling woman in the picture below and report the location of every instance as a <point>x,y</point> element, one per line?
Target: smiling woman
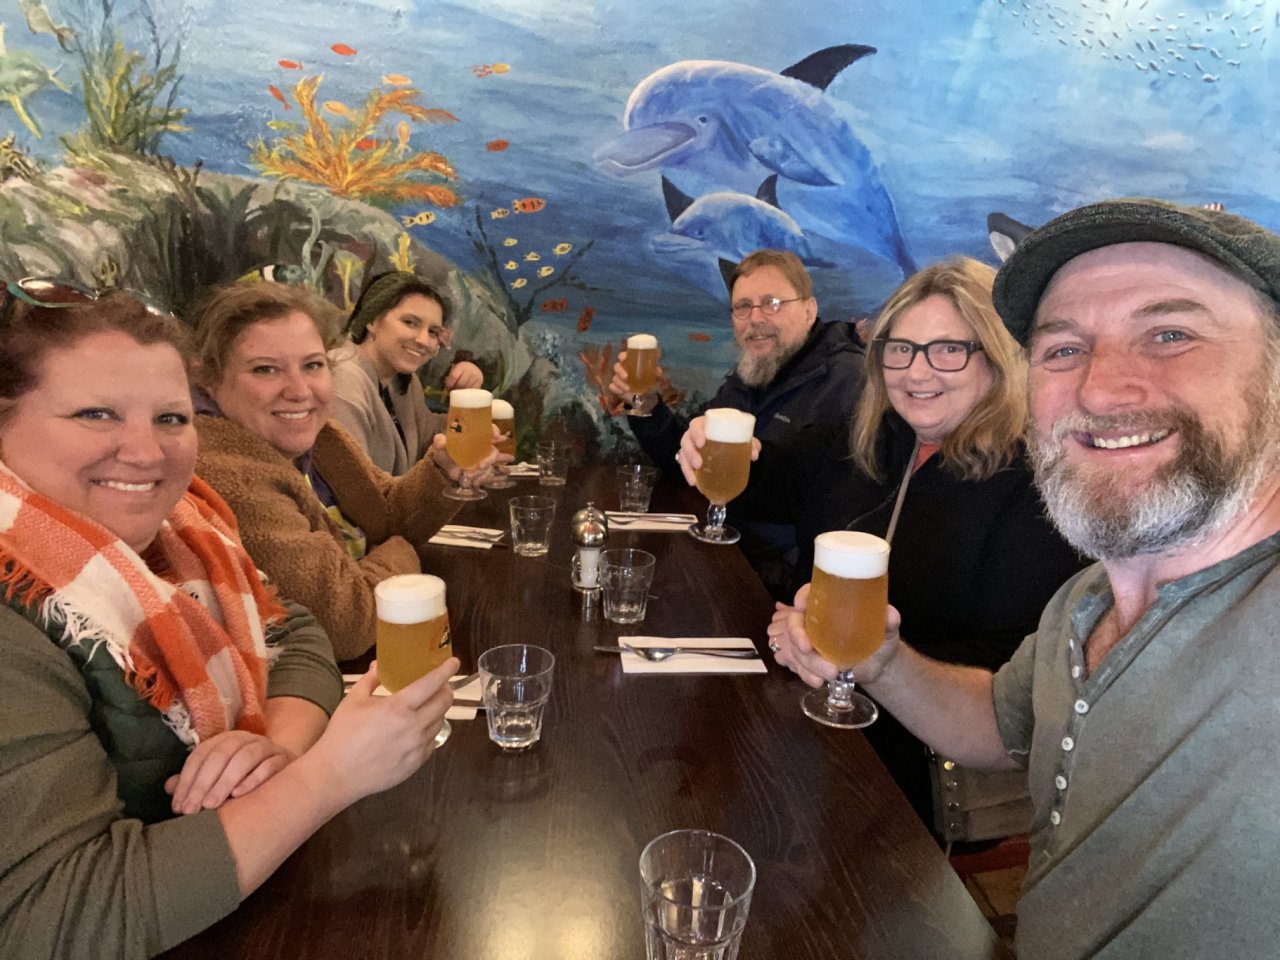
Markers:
<point>321,519</point>
<point>160,702</point>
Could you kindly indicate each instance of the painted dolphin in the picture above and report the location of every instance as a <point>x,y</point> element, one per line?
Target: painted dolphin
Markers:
<point>1005,233</point>
<point>728,226</point>
<point>715,126</point>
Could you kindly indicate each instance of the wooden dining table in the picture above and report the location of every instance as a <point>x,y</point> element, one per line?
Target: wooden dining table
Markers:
<point>532,855</point>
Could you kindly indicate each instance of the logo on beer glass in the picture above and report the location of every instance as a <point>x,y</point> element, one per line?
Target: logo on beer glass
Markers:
<point>412,629</point>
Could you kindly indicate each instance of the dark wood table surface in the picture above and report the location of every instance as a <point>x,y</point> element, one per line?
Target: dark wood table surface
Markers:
<point>533,855</point>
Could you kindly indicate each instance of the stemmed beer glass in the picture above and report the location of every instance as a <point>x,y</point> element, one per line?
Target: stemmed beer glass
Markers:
<point>468,437</point>
<point>412,632</point>
<point>641,366</point>
<point>726,462</point>
<point>504,418</point>
<point>845,619</point>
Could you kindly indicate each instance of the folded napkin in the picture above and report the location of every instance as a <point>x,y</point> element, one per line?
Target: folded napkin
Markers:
<point>661,522</point>
<point>471,692</point>
<point>691,662</point>
<point>522,469</point>
<point>454,535</point>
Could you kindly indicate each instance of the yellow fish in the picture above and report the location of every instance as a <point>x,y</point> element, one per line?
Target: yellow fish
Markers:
<point>510,242</point>
<point>281,125</point>
<point>561,249</point>
<point>517,284</point>
<point>546,271</point>
<point>419,219</point>
<point>511,265</point>
<point>532,257</point>
<point>340,108</point>
<point>500,67</point>
<point>402,138</point>
<point>396,79</point>
<point>499,213</point>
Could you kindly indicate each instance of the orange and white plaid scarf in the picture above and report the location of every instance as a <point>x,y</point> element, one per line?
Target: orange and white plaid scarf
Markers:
<point>196,650</point>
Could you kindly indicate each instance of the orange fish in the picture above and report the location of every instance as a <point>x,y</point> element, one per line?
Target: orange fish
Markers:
<point>497,146</point>
<point>402,138</point>
<point>585,318</point>
<point>339,108</point>
<point>528,205</point>
<point>366,143</point>
<point>290,64</point>
<point>700,337</point>
<point>275,92</point>
<point>555,306</point>
<point>396,79</point>
<point>342,50</point>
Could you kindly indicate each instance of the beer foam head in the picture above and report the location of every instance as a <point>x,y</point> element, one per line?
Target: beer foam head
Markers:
<point>726,425</point>
<point>853,556</point>
<point>503,410</point>
<point>470,398</point>
<point>410,598</point>
<point>642,341</point>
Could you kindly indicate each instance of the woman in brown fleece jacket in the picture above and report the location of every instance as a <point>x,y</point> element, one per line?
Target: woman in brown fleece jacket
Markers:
<point>315,513</point>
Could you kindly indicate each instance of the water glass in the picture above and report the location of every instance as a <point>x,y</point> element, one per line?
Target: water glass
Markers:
<point>625,576</point>
<point>635,487</point>
<point>695,892</point>
<point>515,682</point>
<point>531,519</point>
<point>553,463</point>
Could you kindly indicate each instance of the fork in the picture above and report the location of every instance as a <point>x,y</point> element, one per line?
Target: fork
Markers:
<point>476,535</point>
<point>658,654</point>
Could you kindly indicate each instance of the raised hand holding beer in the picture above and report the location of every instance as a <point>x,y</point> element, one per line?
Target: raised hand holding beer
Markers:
<point>468,437</point>
<point>845,619</point>
<point>726,462</point>
<point>640,363</point>
<point>412,631</point>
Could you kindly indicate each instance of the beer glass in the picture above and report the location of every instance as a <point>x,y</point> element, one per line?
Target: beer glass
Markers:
<point>412,631</point>
<point>726,461</point>
<point>468,437</point>
<point>641,366</point>
<point>845,618</point>
<point>504,418</point>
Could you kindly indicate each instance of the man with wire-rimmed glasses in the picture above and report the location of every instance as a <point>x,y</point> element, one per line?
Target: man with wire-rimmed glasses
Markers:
<point>793,373</point>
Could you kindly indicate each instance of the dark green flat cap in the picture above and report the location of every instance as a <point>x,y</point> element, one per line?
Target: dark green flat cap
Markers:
<point>1249,251</point>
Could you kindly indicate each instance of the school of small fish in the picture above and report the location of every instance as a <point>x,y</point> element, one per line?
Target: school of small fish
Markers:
<point>555,306</point>
<point>419,219</point>
<point>497,146</point>
<point>532,257</point>
<point>499,213</point>
<point>489,69</point>
<point>546,271</point>
<point>518,283</point>
<point>510,242</point>
<point>511,265</point>
<point>1193,45</point>
<point>560,249</point>
<point>528,205</point>
<point>584,319</point>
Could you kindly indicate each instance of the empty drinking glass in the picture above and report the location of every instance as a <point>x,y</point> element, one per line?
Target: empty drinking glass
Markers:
<point>515,682</point>
<point>625,576</point>
<point>531,519</point>
<point>553,463</point>
<point>635,487</point>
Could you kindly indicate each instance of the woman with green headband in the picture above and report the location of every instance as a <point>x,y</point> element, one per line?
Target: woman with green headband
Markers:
<point>398,324</point>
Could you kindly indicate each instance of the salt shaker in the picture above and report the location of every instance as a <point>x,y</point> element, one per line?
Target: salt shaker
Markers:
<point>589,529</point>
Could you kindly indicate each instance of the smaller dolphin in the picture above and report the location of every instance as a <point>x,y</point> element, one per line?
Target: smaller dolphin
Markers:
<point>728,226</point>
<point>1005,234</point>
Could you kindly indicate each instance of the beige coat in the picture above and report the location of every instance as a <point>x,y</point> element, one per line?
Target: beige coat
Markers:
<point>289,535</point>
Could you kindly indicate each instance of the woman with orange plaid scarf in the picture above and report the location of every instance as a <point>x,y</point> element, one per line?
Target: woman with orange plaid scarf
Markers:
<point>163,738</point>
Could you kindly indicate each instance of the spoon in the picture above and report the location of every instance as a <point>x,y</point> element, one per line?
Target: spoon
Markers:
<point>653,518</point>
<point>658,654</point>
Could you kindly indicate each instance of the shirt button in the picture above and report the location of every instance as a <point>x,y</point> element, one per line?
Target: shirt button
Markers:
<point>1068,743</point>
<point>1075,672</point>
<point>1082,706</point>
<point>1055,818</point>
<point>1060,782</point>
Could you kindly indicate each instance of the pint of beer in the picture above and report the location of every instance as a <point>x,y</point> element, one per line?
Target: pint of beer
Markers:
<point>504,418</point>
<point>413,628</point>
<point>641,364</point>
<point>849,596</point>
<point>469,431</point>
<point>726,456</point>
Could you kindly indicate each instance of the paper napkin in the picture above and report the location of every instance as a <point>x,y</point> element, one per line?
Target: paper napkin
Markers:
<point>656,522</point>
<point>522,469</point>
<point>691,662</point>
<point>449,536</point>
<point>471,692</point>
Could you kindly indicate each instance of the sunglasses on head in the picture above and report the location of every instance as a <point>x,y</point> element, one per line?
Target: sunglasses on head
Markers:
<point>46,293</point>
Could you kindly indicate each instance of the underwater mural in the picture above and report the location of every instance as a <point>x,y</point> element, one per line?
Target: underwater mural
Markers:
<point>580,170</point>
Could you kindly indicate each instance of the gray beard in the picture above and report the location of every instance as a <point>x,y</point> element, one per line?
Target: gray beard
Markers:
<point>760,371</point>
<point>1201,490</point>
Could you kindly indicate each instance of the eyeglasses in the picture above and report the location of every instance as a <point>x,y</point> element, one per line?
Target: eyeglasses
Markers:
<point>52,294</point>
<point>945,356</point>
<point>770,307</point>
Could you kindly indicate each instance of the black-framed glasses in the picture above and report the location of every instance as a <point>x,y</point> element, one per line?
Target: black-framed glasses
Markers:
<point>47,293</point>
<point>769,306</point>
<point>945,356</point>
